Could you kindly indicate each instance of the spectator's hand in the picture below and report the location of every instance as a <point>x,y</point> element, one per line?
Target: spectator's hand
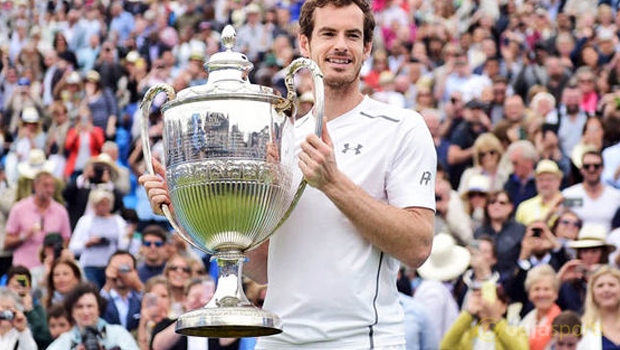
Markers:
<point>526,245</point>
<point>317,160</point>
<point>571,271</point>
<point>27,302</point>
<point>131,279</point>
<point>494,310</point>
<point>20,322</point>
<point>156,187</point>
<point>474,303</point>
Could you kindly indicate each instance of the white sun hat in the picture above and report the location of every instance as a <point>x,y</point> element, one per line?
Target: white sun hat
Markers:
<point>447,260</point>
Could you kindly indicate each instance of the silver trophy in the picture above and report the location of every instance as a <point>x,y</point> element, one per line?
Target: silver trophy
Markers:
<point>229,154</point>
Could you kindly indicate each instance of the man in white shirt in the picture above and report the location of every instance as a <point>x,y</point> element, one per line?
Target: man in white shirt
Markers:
<point>332,266</point>
<point>594,201</point>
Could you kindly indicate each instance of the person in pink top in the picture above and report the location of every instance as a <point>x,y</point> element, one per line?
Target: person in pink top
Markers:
<point>32,218</point>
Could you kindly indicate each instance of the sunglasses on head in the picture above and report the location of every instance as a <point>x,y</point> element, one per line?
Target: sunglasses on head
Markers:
<point>158,244</point>
<point>180,269</point>
<point>592,166</point>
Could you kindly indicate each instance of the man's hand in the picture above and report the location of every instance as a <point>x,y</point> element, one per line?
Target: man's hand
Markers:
<point>27,302</point>
<point>156,187</point>
<point>317,160</point>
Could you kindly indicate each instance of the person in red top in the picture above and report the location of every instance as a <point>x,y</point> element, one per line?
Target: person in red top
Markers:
<point>83,142</point>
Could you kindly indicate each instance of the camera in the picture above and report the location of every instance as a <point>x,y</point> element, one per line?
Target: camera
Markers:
<point>103,242</point>
<point>7,315</point>
<point>90,338</point>
<point>98,170</point>
<point>536,232</point>
<point>124,269</point>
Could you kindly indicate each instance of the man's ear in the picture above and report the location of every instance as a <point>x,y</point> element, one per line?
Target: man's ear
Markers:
<point>304,45</point>
<point>367,50</point>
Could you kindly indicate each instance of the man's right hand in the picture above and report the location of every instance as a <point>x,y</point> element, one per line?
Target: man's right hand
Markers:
<point>156,187</point>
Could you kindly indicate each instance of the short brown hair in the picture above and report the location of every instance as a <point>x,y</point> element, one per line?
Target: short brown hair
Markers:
<point>306,18</point>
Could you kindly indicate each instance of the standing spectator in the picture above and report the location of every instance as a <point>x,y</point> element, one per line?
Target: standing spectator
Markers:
<point>253,38</point>
<point>521,184</point>
<point>548,181</point>
<point>56,137</point>
<point>122,290</point>
<point>7,195</point>
<point>97,235</point>
<point>504,230</point>
<point>611,158</point>
<point>102,103</point>
<point>34,217</point>
<point>594,201</point>
<point>121,21</point>
<point>30,135</point>
<point>570,119</point>
<point>446,262</point>
<point>83,142</point>
<point>20,100</point>
<point>153,248</point>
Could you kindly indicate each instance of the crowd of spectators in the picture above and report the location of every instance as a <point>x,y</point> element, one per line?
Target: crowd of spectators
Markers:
<point>522,98</point>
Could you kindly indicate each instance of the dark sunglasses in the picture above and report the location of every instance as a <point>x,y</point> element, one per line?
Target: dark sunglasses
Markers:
<point>180,269</point>
<point>491,153</point>
<point>150,244</point>
<point>493,201</point>
<point>576,224</point>
<point>592,166</point>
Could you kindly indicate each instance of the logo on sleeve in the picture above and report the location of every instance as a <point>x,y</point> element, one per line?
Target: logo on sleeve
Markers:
<point>426,178</point>
<point>347,148</point>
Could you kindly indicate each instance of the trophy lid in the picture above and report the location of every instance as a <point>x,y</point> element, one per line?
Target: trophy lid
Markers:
<point>228,65</point>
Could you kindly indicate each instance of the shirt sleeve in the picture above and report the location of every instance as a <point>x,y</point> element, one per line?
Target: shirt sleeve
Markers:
<point>12,225</point>
<point>80,236</point>
<point>411,178</point>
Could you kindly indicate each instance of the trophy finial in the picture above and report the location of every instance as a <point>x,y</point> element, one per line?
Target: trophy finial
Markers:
<point>229,37</point>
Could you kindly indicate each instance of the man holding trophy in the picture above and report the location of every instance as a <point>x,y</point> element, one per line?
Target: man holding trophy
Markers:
<point>332,265</point>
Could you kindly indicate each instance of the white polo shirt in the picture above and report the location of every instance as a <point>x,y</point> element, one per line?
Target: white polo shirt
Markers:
<point>332,288</point>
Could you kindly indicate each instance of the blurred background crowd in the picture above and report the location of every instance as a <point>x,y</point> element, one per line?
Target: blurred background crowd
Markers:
<point>522,98</point>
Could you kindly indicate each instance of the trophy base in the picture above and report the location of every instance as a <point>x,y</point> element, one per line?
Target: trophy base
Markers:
<point>229,322</point>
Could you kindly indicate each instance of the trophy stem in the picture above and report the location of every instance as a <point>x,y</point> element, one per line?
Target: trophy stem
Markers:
<point>229,314</point>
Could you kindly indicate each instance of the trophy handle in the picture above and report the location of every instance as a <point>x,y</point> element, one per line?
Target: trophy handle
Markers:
<point>145,107</point>
<point>289,104</point>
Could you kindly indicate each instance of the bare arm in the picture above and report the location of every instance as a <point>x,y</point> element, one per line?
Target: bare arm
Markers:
<point>406,234</point>
<point>458,155</point>
<point>12,241</point>
<point>166,339</point>
<point>256,267</point>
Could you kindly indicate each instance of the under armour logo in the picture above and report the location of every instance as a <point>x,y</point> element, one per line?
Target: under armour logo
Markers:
<point>356,149</point>
<point>426,177</point>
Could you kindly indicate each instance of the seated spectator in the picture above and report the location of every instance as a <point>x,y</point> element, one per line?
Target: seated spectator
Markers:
<point>64,275</point>
<point>85,305</point>
<point>567,331</point>
<point>475,199</point>
<point>592,200</point>
<point>445,264</point>
<point>548,181</point>
<point>482,322</point>
<point>197,293</point>
<point>542,286</point>
<point>450,215</point>
<point>521,185</point>
<point>483,260</point>
<point>14,331</point>
<point>153,251</point>
<point>566,227</point>
<point>122,290</point>
<point>97,235</point>
<point>58,320</point>
<point>418,333</point>
<point>600,317</point>
<point>487,153</point>
<point>507,233</point>
<point>19,281</point>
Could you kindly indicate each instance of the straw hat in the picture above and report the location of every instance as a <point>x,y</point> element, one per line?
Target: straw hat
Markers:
<point>30,115</point>
<point>591,236</point>
<point>106,160</point>
<point>548,166</point>
<point>35,164</point>
<point>477,183</point>
<point>447,260</point>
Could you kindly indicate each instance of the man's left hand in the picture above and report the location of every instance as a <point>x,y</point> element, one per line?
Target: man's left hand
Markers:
<point>317,160</point>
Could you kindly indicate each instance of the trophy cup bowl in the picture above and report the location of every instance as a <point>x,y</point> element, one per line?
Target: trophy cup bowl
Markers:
<point>229,155</point>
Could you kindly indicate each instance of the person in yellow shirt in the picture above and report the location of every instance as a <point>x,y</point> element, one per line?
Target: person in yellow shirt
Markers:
<point>548,181</point>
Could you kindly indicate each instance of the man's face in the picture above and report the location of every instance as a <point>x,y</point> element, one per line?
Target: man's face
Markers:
<point>44,189</point>
<point>522,167</point>
<point>592,169</point>
<point>58,326</point>
<point>571,99</point>
<point>337,44</point>
<point>85,312</point>
<point>514,109</point>
<point>499,93</point>
<point>153,249</point>
<point>547,184</point>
